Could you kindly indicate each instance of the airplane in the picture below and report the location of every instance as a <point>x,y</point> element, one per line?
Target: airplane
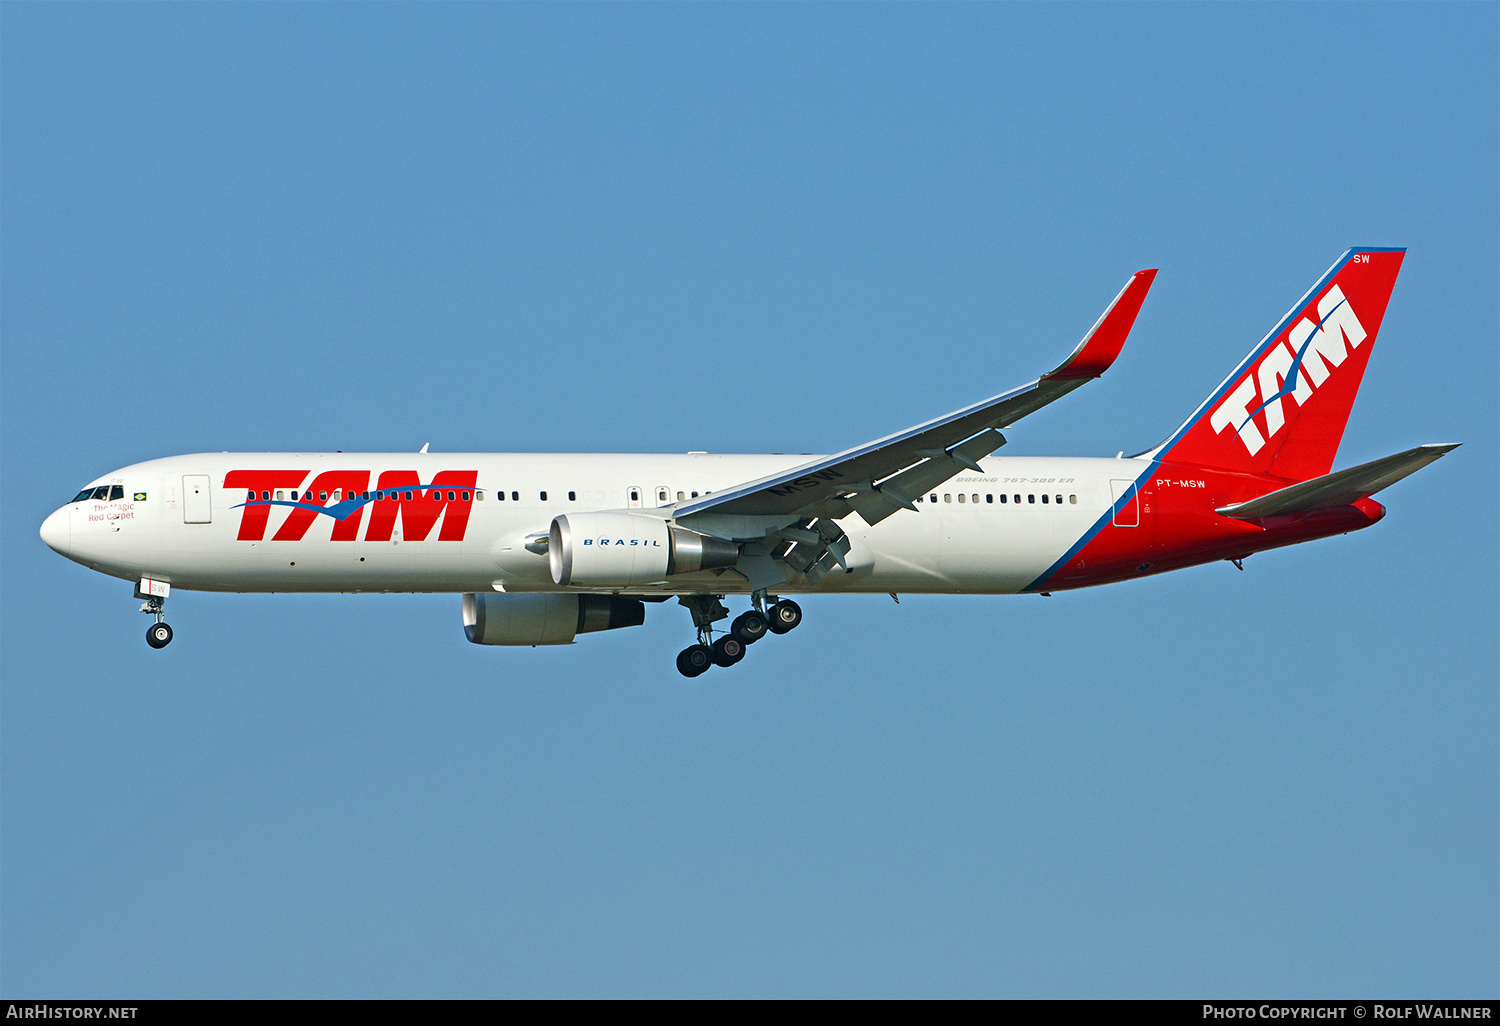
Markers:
<point>545,547</point>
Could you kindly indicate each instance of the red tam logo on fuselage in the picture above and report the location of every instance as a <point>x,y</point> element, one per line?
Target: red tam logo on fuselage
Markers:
<point>449,495</point>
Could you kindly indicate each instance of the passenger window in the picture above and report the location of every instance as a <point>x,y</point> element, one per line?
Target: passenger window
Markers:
<point>365,496</point>
<point>679,495</point>
<point>934,496</point>
<point>682,496</point>
<point>452,496</point>
<point>544,496</point>
<point>962,497</point>
<point>976,498</point>
<point>1018,500</point>
<point>515,496</point>
<point>465,496</point>
<point>322,496</point>
<point>1031,498</point>
<point>1059,500</point>
<point>280,495</point>
<point>989,497</point>
<point>572,496</point>
<point>1044,500</point>
<point>635,496</point>
<point>264,496</point>
<point>478,496</point>
<point>661,496</point>
<point>1073,499</point>
<point>1002,496</point>
<point>947,496</point>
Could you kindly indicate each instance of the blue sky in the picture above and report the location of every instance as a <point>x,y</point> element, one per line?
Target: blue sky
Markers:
<point>744,228</point>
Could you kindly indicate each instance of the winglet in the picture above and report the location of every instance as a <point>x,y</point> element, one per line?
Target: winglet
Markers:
<point>1106,338</point>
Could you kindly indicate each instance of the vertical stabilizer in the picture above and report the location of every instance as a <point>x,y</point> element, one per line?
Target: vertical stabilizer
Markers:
<point>1283,410</point>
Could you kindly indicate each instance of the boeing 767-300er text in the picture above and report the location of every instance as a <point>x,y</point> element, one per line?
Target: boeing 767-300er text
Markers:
<point>546,547</point>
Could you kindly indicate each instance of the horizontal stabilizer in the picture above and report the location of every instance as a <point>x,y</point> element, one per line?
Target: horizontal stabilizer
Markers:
<point>1340,489</point>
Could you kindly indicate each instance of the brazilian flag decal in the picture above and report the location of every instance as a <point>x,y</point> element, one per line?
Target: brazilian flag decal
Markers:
<point>140,496</point>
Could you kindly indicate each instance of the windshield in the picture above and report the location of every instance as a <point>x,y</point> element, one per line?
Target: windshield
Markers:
<point>103,493</point>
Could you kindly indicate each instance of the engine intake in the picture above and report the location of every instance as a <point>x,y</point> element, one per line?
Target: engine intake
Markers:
<point>546,619</point>
<point>620,550</point>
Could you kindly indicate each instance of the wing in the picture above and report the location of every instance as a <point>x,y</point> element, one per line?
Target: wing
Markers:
<point>883,476</point>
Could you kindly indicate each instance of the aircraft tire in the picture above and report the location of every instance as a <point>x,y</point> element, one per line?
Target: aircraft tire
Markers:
<point>749,627</point>
<point>694,659</point>
<point>728,650</point>
<point>785,615</point>
<point>158,635</point>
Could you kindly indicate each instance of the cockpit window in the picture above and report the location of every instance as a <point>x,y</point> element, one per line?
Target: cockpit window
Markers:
<point>103,493</point>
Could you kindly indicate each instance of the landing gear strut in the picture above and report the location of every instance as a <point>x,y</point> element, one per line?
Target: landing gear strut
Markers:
<point>747,628</point>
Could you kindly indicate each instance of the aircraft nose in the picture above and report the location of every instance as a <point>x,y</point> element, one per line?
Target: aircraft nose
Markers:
<point>57,532</point>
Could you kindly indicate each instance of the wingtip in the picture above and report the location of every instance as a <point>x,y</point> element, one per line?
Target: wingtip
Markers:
<point>1102,345</point>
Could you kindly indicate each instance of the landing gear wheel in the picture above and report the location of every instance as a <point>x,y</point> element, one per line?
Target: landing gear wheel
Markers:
<point>785,615</point>
<point>749,627</point>
<point>694,659</point>
<point>158,635</point>
<point>728,650</point>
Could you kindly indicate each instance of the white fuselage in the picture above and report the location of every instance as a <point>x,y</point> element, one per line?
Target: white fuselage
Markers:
<point>965,540</point>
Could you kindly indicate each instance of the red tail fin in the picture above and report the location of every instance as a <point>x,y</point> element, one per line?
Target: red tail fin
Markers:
<point>1283,410</point>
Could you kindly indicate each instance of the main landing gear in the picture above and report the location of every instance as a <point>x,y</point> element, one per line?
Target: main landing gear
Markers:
<point>746,629</point>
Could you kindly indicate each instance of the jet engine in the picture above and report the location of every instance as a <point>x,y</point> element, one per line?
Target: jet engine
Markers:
<point>546,619</point>
<point>619,550</point>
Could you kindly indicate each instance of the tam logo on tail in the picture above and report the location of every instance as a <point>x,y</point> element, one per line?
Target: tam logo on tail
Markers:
<point>1291,369</point>
<point>1283,409</point>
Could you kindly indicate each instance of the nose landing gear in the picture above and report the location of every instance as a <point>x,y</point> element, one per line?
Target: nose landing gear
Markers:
<point>158,635</point>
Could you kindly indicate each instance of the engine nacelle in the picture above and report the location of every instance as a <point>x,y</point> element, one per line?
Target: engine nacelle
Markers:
<point>619,550</point>
<point>546,619</point>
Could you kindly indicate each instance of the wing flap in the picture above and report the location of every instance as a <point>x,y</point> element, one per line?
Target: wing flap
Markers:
<point>901,490</point>
<point>1341,488</point>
